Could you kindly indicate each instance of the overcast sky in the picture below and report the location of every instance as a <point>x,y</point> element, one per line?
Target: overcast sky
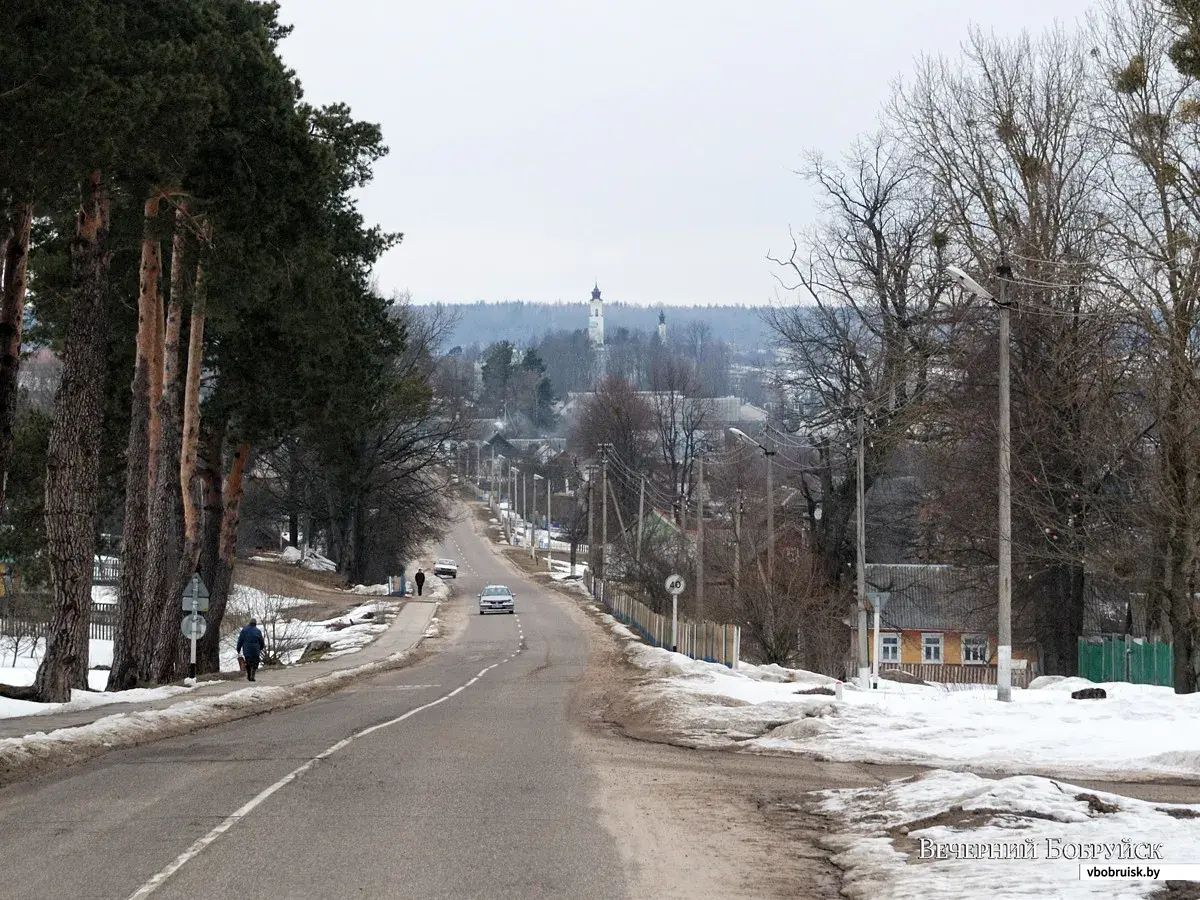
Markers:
<point>647,144</point>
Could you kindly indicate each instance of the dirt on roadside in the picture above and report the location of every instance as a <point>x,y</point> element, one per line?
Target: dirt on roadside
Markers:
<point>319,588</point>
<point>697,822</point>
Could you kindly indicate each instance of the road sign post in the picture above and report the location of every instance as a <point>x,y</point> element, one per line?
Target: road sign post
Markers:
<point>195,601</point>
<point>675,584</point>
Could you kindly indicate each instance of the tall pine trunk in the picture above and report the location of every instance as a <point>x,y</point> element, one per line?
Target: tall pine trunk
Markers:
<point>189,480</point>
<point>212,474</point>
<point>209,651</point>
<point>131,596</point>
<point>12,314</point>
<point>73,459</point>
<point>164,534</point>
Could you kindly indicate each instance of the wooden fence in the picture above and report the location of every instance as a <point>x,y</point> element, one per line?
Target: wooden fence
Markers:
<point>958,674</point>
<point>708,641</point>
<point>28,615</point>
<point>106,570</point>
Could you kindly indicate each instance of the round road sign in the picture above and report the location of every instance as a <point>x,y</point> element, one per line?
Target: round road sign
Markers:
<point>676,584</point>
<point>193,626</point>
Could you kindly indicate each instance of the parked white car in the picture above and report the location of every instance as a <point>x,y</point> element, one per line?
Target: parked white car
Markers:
<point>445,568</point>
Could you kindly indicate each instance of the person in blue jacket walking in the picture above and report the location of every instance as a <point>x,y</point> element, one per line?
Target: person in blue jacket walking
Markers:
<point>250,644</point>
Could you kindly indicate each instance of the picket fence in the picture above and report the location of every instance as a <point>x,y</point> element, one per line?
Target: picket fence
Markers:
<point>28,615</point>
<point>709,641</point>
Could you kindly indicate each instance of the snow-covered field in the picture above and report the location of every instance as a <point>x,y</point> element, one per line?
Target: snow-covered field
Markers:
<point>1039,832</point>
<point>1138,730</point>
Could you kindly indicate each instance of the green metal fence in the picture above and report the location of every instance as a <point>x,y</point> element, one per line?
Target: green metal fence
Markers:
<point>1120,657</point>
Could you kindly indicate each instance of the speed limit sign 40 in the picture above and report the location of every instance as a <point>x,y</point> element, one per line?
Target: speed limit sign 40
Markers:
<point>675,584</point>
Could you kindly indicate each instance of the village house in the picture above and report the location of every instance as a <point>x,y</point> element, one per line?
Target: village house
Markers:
<point>939,623</point>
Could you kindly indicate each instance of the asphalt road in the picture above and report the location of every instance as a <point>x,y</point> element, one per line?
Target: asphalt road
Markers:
<point>469,786</point>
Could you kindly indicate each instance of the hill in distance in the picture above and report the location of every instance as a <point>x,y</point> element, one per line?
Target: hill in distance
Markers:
<point>524,323</point>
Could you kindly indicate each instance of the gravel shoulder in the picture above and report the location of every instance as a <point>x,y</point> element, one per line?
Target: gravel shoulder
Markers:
<point>694,823</point>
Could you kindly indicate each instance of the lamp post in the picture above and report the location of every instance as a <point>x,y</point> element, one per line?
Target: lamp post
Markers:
<point>1004,637</point>
<point>770,455</point>
<point>515,472</point>
<point>533,538</point>
<point>549,539</point>
<point>498,470</point>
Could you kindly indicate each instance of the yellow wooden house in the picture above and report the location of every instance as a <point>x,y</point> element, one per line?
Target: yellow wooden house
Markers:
<point>940,623</point>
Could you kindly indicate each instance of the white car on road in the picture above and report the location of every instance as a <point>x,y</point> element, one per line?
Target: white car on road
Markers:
<point>445,568</point>
<point>496,598</point>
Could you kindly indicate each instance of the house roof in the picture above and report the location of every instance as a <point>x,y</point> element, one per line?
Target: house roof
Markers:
<point>935,597</point>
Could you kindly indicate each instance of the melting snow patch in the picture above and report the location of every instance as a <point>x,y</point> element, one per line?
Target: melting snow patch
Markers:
<point>948,835</point>
<point>1138,731</point>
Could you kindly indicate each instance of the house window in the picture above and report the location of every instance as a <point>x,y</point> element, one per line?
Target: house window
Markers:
<point>931,648</point>
<point>975,649</point>
<point>889,650</point>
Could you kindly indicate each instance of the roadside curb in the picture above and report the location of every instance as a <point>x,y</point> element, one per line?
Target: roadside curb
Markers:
<point>40,752</point>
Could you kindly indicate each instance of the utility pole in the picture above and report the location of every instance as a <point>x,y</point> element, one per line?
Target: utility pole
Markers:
<point>1004,648</point>
<point>864,667</point>
<point>514,472</point>
<point>549,538</point>
<point>637,553</point>
<point>604,512</point>
<point>737,543</point>
<point>591,478</point>
<point>1004,600</point>
<point>700,539</point>
<point>533,537</point>
<point>504,513</point>
<point>524,506</point>
<point>770,454</point>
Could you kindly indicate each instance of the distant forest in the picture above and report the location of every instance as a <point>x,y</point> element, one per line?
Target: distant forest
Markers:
<point>526,323</point>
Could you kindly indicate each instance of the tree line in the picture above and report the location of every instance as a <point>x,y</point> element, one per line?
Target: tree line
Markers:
<point>179,225</point>
<point>1062,171</point>
<point>520,386</point>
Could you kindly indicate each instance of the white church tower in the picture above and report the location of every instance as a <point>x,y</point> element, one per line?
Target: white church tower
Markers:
<point>662,327</point>
<point>596,319</point>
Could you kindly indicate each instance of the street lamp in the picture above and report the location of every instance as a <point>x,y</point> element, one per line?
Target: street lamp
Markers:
<point>1004,642</point>
<point>533,537</point>
<point>497,471</point>
<point>515,472</point>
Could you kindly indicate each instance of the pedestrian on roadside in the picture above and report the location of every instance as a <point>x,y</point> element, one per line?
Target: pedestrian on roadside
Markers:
<point>250,644</point>
<point>419,578</point>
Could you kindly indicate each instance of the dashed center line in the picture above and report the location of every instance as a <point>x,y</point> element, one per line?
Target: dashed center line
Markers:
<point>237,815</point>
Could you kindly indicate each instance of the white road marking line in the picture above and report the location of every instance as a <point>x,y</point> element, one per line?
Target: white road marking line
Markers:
<point>195,849</point>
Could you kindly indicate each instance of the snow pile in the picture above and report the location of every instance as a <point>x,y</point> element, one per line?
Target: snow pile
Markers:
<point>291,555</point>
<point>315,562</point>
<point>1042,826</point>
<point>369,589</point>
<point>103,593</point>
<point>1137,729</point>
<point>434,628</point>
<point>562,570</point>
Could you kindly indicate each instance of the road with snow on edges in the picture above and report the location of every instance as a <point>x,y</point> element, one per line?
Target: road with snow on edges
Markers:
<point>478,772</point>
<point>455,777</point>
